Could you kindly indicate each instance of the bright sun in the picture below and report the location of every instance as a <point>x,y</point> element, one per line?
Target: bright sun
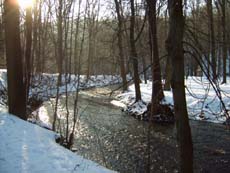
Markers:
<point>25,3</point>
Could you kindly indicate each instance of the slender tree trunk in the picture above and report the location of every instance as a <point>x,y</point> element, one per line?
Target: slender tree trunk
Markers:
<point>144,68</point>
<point>168,75</point>
<point>70,71</point>
<point>28,49</point>
<point>219,45</point>
<point>76,39</point>
<point>60,58</point>
<point>35,36</point>
<point>90,48</point>
<point>15,83</point>
<point>174,46</point>
<point>224,46</point>
<point>39,33</point>
<point>120,45</point>
<point>212,35</point>
<point>194,64</point>
<point>133,52</point>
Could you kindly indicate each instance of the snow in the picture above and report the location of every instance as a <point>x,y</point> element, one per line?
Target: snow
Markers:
<point>118,104</point>
<point>46,88</point>
<point>202,102</point>
<point>28,148</point>
<point>41,117</point>
<point>3,82</point>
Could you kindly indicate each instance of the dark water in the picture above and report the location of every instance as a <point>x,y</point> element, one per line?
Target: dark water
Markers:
<point>110,137</point>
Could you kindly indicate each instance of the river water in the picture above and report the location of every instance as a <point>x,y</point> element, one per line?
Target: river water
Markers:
<point>117,141</point>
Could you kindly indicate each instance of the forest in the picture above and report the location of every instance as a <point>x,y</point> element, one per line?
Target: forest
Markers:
<point>100,86</point>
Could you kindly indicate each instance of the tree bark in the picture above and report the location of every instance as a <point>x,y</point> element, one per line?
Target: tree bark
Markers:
<point>28,49</point>
<point>212,35</point>
<point>120,46</point>
<point>168,75</point>
<point>157,91</point>
<point>16,87</point>
<point>133,52</point>
<point>174,45</point>
<point>60,58</point>
<point>224,46</point>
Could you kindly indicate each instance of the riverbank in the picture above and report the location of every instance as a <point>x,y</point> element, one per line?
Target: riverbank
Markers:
<point>202,101</point>
<point>44,86</point>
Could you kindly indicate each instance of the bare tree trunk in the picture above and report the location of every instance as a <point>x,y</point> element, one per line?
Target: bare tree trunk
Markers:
<point>219,34</point>
<point>76,38</point>
<point>38,41</point>
<point>16,86</point>
<point>144,68</point>
<point>90,48</point>
<point>133,52</point>
<point>212,35</point>
<point>167,75</point>
<point>28,49</point>
<point>120,45</point>
<point>174,46</point>
<point>224,46</point>
<point>35,36</point>
<point>93,13</point>
<point>60,57</point>
<point>157,91</point>
<point>2,45</point>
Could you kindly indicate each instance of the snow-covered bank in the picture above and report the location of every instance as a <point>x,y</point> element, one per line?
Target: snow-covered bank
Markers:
<point>45,86</point>
<point>28,148</point>
<point>202,102</point>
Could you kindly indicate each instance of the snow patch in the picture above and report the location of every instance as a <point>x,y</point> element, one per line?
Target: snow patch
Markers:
<point>25,147</point>
<point>202,102</point>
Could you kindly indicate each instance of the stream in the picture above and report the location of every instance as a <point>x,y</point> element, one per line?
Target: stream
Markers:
<point>119,142</point>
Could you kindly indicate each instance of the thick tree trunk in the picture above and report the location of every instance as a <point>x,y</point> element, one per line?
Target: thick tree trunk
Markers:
<point>175,50</point>
<point>16,87</point>
<point>157,91</point>
<point>133,52</point>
